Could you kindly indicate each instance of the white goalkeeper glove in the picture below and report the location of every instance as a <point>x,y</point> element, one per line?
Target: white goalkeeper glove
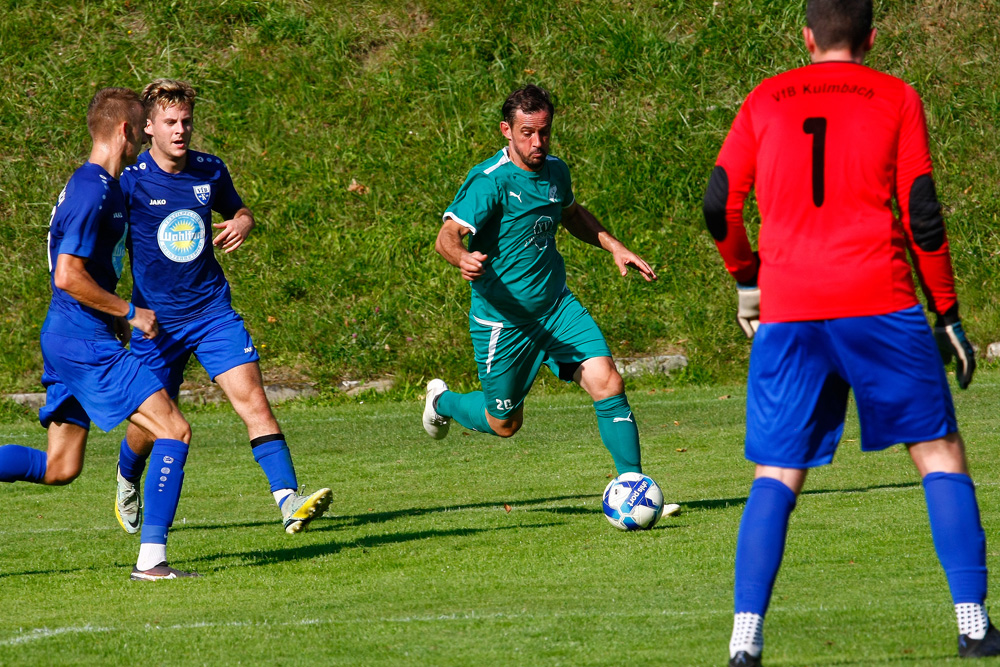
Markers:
<point>748,310</point>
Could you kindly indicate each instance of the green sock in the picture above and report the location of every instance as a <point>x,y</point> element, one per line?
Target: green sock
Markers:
<point>619,432</point>
<point>469,410</point>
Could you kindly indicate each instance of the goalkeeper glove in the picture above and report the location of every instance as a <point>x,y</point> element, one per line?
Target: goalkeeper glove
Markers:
<point>953,343</point>
<point>748,310</point>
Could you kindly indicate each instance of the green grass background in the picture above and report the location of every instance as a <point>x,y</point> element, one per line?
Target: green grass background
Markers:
<point>301,98</point>
<point>418,563</point>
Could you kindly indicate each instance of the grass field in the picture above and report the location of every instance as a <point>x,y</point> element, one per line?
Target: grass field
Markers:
<point>418,562</point>
<point>300,98</point>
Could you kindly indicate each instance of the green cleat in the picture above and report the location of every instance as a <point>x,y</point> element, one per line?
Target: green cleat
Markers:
<point>128,505</point>
<point>298,511</point>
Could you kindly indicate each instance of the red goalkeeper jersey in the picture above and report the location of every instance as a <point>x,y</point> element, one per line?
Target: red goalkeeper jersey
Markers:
<point>828,148</point>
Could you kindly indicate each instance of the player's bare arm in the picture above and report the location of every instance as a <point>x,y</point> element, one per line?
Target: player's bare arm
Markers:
<point>234,231</point>
<point>582,224</point>
<point>71,277</point>
<point>450,245</point>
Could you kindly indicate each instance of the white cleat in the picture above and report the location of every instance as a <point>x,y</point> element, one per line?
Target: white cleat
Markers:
<point>128,505</point>
<point>435,425</point>
<point>672,509</point>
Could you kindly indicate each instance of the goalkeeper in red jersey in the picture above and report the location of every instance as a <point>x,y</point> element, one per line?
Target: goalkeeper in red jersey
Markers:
<point>831,304</point>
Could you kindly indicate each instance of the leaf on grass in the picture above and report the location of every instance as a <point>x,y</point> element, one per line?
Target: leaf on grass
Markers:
<point>723,398</point>
<point>271,319</point>
<point>507,508</point>
<point>357,188</point>
<point>676,423</point>
<point>681,449</point>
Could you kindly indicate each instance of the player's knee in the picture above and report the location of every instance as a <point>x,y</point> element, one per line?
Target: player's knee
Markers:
<point>507,427</point>
<point>179,429</point>
<point>61,475</point>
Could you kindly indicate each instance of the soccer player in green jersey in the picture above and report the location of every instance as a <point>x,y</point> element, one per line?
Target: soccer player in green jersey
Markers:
<point>522,313</point>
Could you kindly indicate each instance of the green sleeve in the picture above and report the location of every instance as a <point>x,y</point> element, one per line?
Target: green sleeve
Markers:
<point>476,203</point>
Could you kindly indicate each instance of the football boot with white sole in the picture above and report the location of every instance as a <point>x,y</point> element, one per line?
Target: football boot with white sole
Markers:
<point>299,510</point>
<point>435,425</point>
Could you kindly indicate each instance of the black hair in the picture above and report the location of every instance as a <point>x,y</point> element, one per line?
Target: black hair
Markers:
<point>839,23</point>
<point>530,99</point>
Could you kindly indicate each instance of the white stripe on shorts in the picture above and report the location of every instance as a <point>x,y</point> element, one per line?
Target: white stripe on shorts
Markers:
<point>494,337</point>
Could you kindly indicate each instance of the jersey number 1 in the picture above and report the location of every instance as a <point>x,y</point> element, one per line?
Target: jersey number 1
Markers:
<point>817,127</point>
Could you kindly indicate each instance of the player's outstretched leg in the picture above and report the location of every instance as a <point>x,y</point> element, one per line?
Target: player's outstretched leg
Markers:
<point>128,497</point>
<point>760,546</point>
<point>22,464</point>
<point>244,386</point>
<point>442,405</point>
<point>164,480</point>
<point>619,433</point>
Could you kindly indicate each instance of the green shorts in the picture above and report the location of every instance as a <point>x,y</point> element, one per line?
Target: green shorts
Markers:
<point>509,356</point>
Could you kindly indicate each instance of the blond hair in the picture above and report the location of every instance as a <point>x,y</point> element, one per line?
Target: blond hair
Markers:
<point>108,108</point>
<point>164,93</point>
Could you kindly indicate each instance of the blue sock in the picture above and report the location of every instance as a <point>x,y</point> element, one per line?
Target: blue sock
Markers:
<point>469,410</point>
<point>271,453</point>
<point>163,488</point>
<point>130,464</point>
<point>761,543</point>
<point>22,464</point>
<point>619,432</point>
<point>958,535</point>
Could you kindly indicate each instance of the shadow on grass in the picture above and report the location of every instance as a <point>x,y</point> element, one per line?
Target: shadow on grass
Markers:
<point>347,520</point>
<point>719,503</point>
<point>308,551</point>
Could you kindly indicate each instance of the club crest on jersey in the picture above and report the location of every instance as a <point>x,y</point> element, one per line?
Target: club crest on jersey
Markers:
<point>553,192</point>
<point>543,230</point>
<point>203,193</point>
<point>181,236</point>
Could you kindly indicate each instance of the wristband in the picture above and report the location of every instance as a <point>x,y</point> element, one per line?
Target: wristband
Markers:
<point>131,311</point>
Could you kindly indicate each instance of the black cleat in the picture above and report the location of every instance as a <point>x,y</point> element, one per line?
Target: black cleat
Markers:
<point>979,648</point>
<point>744,659</point>
<point>161,572</point>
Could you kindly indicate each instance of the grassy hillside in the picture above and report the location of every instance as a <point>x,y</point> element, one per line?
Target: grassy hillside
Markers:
<point>302,98</point>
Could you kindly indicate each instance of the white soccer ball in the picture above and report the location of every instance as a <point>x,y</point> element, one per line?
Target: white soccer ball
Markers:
<point>633,501</point>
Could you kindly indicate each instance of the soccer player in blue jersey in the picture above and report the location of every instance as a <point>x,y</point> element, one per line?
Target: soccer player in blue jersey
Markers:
<point>88,374</point>
<point>522,314</point>
<point>171,193</point>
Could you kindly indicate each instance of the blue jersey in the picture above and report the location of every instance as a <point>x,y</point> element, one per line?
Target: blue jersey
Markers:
<point>173,264</point>
<point>89,221</point>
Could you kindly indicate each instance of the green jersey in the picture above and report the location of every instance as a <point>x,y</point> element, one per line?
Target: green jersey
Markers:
<point>513,215</point>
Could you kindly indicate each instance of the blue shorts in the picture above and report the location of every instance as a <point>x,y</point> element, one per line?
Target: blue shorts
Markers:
<point>220,342</point>
<point>509,356</point>
<point>91,380</point>
<point>801,373</point>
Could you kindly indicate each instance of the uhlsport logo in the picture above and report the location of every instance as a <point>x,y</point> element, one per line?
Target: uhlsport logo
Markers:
<point>203,193</point>
<point>181,236</point>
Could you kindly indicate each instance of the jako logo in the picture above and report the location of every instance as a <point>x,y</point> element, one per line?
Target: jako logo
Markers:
<point>157,202</point>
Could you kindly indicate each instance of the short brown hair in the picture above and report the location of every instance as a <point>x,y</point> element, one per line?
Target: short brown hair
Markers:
<point>108,107</point>
<point>839,23</point>
<point>163,93</point>
<point>530,99</point>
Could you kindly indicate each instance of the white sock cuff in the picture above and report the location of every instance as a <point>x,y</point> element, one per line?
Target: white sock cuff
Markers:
<point>748,634</point>
<point>972,620</point>
<point>150,555</point>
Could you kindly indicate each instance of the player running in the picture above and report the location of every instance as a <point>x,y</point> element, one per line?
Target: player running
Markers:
<point>522,313</point>
<point>828,147</point>
<point>88,374</point>
<point>171,193</point>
